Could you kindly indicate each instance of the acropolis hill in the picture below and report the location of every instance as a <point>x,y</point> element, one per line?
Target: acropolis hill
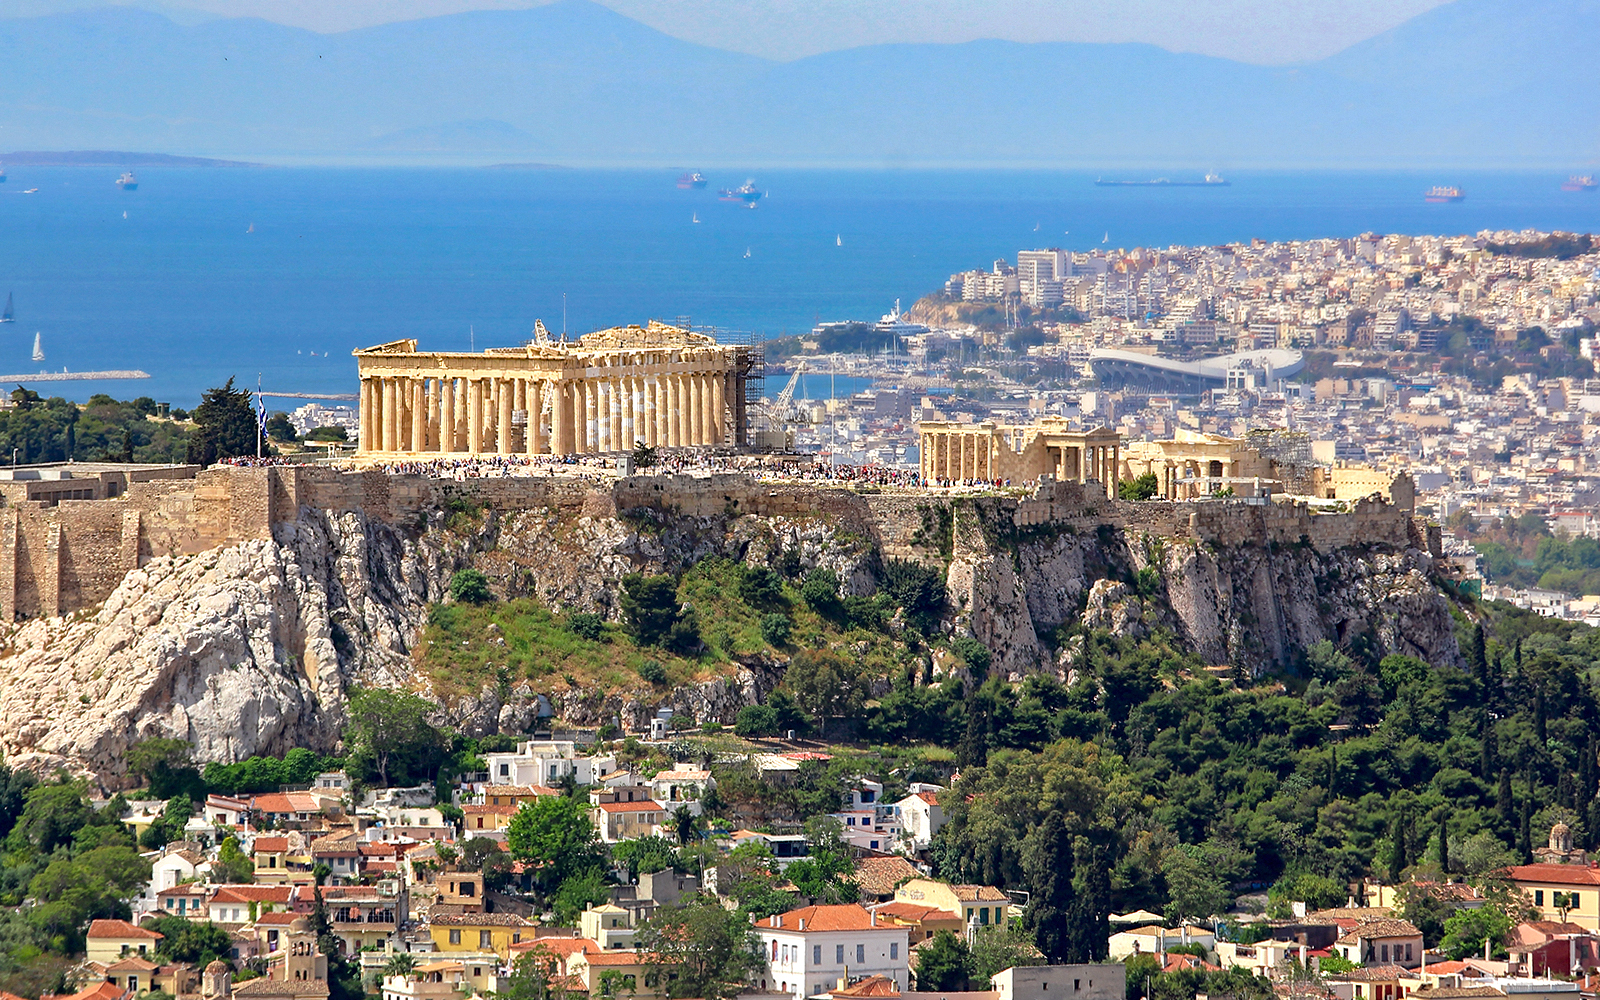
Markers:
<point>235,609</point>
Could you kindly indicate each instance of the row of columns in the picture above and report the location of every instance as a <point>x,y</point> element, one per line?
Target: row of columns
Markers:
<point>556,416</point>
<point>952,455</point>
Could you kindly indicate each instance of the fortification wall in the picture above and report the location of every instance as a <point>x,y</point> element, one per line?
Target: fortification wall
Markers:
<point>56,560</point>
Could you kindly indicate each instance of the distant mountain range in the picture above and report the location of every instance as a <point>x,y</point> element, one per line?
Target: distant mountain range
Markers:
<point>1471,83</point>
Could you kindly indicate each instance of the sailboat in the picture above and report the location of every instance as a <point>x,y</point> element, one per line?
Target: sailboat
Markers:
<point>124,213</point>
<point>1106,238</point>
<point>7,316</point>
<point>838,240</point>
<point>747,251</point>
<point>1036,227</point>
<point>38,348</point>
<point>252,229</point>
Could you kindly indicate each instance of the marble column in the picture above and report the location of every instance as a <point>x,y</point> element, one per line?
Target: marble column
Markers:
<point>652,411</point>
<point>535,431</point>
<point>674,411</point>
<point>560,416</point>
<point>719,428</point>
<point>626,438</point>
<point>615,392</point>
<point>697,410</point>
<point>390,415</point>
<point>474,416</point>
<point>503,421</point>
<point>365,416</point>
<point>591,415</point>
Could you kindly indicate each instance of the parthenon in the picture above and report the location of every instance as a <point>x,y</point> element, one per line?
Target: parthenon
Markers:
<point>952,452</point>
<point>658,385</point>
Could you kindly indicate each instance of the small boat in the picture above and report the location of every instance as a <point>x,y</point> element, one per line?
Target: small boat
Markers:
<point>1106,238</point>
<point>838,240</point>
<point>31,191</point>
<point>7,316</point>
<point>747,252</point>
<point>691,180</point>
<point>38,348</point>
<point>1577,182</point>
<point>1036,227</point>
<point>747,193</point>
<point>696,218</point>
<point>127,181</point>
<point>252,229</point>
<point>124,213</point>
<point>1440,195</point>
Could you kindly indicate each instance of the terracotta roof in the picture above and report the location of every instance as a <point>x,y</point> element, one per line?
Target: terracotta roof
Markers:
<point>1369,974</point>
<point>624,807</point>
<point>1456,992</point>
<point>914,912</point>
<point>848,917</point>
<point>479,920</point>
<point>132,963</point>
<point>980,894</point>
<point>690,775</point>
<point>278,894</point>
<point>558,947</point>
<point>118,929</point>
<point>1385,928</point>
<point>504,809</point>
<point>264,987</point>
<point>615,958</point>
<point>1447,968</point>
<point>379,850</point>
<point>1178,963</point>
<point>1532,933</point>
<point>879,876</point>
<point>279,918</point>
<point>931,798</point>
<point>442,967</point>
<point>871,986</point>
<point>99,991</point>
<point>271,845</point>
<point>1558,874</point>
<point>286,802</point>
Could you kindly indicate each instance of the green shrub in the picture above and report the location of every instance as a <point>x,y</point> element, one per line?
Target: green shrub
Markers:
<point>974,654</point>
<point>760,587</point>
<point>821,592</point>
<point>776,628</point>
<point>653,671</point>
<point>586,625</point>
<point>756,720</point>
<point>470,586</point>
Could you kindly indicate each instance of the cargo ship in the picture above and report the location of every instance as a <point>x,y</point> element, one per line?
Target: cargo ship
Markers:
<point>1212,180</point>
<point>127,181</point>
<point>1436,195</point>
<point>1586,182</point>
<point>746,193</point>
<point>694,180</point>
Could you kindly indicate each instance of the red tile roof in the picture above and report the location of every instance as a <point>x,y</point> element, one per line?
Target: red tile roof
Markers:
<point>849,917</point>
<point>1557,874</point>
<point>118,930</point>
<point>626,807</point>
<point>271,845</point>
<point>278,894</point>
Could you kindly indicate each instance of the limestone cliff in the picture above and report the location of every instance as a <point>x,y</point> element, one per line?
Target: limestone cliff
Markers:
<point>251,647</point>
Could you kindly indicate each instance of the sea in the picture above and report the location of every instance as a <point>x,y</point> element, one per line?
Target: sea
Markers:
<point>273,275</point>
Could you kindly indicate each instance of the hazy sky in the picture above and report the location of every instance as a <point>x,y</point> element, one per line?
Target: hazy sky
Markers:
<point>1260,31</point>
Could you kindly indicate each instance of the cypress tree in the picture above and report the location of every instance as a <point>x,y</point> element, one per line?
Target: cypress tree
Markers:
<point>1048,865</point>
<point>1090,928</point>
<point>1538,717</point>
<point>1333,772</point>
<point>1525,836</point>
<point>1486,749</point>
<point>1397,855</point>
<point>1503,805</point>
<point>1444,843</point>
<point>1480,657</point>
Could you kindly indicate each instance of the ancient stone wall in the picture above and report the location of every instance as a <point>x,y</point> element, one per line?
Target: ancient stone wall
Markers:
<point>56,560</point>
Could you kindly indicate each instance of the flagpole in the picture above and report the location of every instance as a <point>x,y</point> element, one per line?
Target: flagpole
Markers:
<point>260,411</point>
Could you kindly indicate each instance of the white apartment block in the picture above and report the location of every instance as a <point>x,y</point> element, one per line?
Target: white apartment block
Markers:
<point>807,951</point>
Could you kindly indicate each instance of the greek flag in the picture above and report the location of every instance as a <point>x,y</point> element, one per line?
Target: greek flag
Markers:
<point>261,414</point>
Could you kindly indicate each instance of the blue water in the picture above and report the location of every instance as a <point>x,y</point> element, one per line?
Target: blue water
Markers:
<point>346,258</point>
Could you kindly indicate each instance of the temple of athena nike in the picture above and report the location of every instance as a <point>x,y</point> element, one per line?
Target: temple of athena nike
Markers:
<point>657,385</point>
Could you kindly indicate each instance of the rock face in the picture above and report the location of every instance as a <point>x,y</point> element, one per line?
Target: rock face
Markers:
<point>252,648</point>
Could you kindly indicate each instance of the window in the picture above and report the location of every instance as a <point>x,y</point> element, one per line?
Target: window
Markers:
<point>1077,984</point>
<point>816,954</point>
<point>1385,953</point>
<point>505,769</point>
<point>455,935</point>
<point>1408,951</point>
<point>516,937</point>
<point>1538,897</point>
<point>774,951</point>
<point>983,915</point>
<point>894,950</point>
<point>838,954</point>
<point>484,941</point>
<point>861,953</point>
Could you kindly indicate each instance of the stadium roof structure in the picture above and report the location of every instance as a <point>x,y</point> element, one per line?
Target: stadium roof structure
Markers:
<point>1119,369</point>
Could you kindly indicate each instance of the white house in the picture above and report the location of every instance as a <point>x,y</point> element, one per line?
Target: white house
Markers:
<point>547,762</point>
<point>921,816</point>
<point>807,951</point>
<point>173,868</point>
<point>684,785</point>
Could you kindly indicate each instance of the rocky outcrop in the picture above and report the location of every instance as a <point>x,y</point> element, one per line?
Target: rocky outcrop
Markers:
<point>252,648</point>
